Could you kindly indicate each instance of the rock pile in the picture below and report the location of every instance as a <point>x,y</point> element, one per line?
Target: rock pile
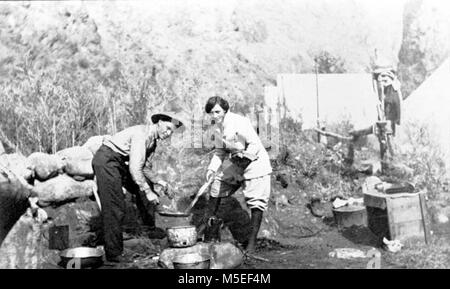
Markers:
<point>41,191</point>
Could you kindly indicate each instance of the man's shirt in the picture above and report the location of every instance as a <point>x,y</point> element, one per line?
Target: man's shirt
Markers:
<point>138,144</point>
<point>239,134</point>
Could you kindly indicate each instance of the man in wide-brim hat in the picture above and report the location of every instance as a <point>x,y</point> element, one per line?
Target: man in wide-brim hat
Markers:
<point>135,145</point>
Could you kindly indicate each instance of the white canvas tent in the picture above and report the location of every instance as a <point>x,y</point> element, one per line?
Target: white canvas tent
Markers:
<point>429,105</point>
<point>341,97</point>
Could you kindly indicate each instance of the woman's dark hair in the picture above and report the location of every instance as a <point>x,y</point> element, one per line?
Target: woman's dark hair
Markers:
<point>212,101</point>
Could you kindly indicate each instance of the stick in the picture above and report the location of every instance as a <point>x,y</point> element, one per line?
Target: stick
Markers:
<point>257,257</point>
<point>199,193</point>
<point>424,217</point>
<point>335,135</point>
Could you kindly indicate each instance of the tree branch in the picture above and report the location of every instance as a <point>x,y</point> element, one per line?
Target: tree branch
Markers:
<point>335,135</point>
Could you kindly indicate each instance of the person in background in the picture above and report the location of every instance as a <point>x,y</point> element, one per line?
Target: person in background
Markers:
<point>239,160</point>
<point>389,86</point>
<point>135,145</point>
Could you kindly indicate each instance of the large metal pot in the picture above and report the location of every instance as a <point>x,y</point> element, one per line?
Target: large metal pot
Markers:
<point>351,215</point>
<point>182,236</point>
<point>81,257</point>
<point>170,219</point>
<point>174,214</point>
<point>191,261</point>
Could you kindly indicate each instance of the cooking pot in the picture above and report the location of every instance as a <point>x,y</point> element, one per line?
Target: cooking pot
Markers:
<point>182,236</point>
<point>171,219</point>
<point>351,215</point>
<point>81,257</point>
<point>191,261</point>
<point>174,214</point>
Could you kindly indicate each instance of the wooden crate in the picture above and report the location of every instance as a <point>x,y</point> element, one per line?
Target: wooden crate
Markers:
<point>402,215</point>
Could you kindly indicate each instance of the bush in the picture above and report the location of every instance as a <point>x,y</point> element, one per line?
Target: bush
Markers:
<point>327,63</point>
<point>423,155</point>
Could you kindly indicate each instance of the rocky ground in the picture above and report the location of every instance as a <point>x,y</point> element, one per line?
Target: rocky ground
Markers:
<point>298,229</point>
<point>291,237</point>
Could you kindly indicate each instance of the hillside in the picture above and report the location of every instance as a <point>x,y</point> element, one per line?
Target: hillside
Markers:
<point>91,53</point>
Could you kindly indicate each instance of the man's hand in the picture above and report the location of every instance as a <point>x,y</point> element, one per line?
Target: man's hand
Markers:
<point>166,189</point>
<point>152,197</point>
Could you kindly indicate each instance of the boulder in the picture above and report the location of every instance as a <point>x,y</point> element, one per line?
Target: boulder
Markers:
<point>45,165</point>
<point>168,255</point>
<point>82,218</point>
<point>78,162</point>
<point>62,189</point>
<point>26,245</point>
<point>18,164</point>
<point>225,256</point>
<point>13,203</point>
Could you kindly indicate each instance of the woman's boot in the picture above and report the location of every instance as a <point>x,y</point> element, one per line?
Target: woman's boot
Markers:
<point>255,225</point>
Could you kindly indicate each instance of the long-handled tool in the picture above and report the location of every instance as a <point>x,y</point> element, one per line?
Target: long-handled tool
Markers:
<point>199,193</point>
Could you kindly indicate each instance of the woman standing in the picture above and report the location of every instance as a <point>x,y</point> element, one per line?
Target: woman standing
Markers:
<point>239,160</point>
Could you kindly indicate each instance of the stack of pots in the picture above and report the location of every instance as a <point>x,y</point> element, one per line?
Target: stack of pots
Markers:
<point>184,237</point>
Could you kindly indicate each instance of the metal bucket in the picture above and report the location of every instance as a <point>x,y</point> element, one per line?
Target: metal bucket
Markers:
<point>191,261</point>
<point>182,236</point>
<point>351,215</point>
<point>81,257</point>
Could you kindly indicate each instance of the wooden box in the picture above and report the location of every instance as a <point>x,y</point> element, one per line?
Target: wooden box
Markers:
<point>397,216</point>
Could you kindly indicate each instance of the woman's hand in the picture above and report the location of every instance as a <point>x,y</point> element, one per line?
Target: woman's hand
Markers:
<point>242,159</point>
<point>209,175</point>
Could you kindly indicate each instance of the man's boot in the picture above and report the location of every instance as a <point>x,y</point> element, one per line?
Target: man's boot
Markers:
<point>255,225</point>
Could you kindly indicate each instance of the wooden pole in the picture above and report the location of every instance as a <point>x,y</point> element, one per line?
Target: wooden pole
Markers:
<point>423,210</point>
<point>317,100</point>
<point>332,134</point>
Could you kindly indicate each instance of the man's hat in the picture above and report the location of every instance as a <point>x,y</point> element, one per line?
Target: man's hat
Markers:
<point>177,118</point>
